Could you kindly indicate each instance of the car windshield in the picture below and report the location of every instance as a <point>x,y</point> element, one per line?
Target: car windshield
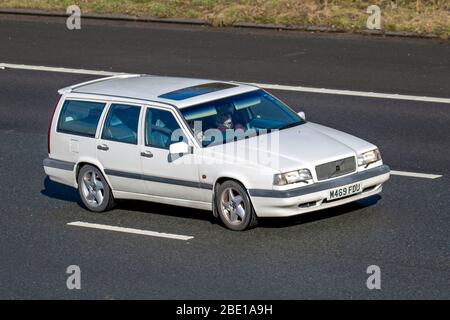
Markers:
<point>239,116</point>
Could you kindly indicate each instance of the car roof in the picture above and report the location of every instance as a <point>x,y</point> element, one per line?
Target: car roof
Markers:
<point>176,91</point>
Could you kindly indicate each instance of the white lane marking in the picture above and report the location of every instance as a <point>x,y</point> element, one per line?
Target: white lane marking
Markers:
<point>415,174</point>
<point>263,85</point>
<point>55,69</point>
<point>129,230</point>
<point>353,93</point>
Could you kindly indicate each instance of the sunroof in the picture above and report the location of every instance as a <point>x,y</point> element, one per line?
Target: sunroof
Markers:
<point>194,91</point>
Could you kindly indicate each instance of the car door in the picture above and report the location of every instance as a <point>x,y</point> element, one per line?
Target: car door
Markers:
<point>166,175</point>
<point>118,148</point>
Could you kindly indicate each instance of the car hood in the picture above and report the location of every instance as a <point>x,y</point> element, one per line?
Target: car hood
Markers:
<point>303,146</point>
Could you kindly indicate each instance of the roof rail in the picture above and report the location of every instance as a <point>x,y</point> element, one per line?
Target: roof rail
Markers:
<point>117,76</point>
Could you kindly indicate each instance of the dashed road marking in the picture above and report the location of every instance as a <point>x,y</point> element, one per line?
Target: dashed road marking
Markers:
<point>130,230</point>
<point>415,174</point>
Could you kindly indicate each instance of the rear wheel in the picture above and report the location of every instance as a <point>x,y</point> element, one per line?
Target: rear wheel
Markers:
<point>94,191</point>
<point>234,206</point>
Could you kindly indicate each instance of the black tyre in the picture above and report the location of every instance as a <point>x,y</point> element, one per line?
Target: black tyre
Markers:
<point>234,207</point>
<point>94,191</point>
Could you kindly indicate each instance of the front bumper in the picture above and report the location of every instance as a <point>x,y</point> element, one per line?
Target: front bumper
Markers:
<point>285,203</point>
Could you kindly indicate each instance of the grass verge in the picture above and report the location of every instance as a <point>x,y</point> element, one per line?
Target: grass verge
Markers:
<point>419,16</point>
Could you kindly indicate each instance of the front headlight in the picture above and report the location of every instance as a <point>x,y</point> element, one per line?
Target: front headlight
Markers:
<point>282,179</point>
<point>366,158</point>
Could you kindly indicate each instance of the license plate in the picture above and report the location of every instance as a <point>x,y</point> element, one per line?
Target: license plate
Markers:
<point>344,191</point>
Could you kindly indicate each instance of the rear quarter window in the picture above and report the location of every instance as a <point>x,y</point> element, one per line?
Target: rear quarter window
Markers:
<point>80,117</point>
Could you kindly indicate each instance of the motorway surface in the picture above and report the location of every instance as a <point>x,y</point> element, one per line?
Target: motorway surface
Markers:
<point>321,255</point>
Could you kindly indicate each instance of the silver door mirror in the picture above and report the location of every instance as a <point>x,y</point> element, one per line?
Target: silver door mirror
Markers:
<point>302,115</point>
<point>180,148</point>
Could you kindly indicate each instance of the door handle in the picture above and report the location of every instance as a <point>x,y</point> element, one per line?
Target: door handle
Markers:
<point>103,147</point>
<point>147,154</point>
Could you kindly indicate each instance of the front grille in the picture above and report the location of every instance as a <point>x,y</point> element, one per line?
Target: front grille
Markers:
<point>335,168</point>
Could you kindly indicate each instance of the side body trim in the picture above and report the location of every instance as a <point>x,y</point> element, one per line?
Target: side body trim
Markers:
<point>185,183</point>
<point>58,164</point>
<point>66,165</point>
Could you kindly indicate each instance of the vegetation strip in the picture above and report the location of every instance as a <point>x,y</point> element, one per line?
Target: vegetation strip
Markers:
<point>398,17</point>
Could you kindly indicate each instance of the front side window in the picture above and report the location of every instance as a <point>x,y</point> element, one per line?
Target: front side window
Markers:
<point>245,114</point>
<point>80,117</point>
<point>162,129</point>
<point>121,124</point>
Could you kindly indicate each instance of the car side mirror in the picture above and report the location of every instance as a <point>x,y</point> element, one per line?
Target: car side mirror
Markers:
<point>302,115</point>
<point>180,148</point>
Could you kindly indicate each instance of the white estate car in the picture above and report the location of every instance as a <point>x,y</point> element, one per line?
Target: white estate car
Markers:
<point>223,146</point>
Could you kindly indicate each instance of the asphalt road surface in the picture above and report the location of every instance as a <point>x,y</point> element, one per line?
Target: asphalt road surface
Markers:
<point>406,231</point>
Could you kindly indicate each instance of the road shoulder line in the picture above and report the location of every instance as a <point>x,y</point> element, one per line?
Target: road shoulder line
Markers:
<point>263,85</point>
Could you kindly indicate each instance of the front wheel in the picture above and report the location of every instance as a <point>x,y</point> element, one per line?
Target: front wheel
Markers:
<point>234,206</point>
<point>94,191</point>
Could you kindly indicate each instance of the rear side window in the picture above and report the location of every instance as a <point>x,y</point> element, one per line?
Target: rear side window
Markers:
<point>80,117</point>
<point>121,124</point>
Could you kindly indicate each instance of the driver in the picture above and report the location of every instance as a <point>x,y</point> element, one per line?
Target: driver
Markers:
<point>224,120</point>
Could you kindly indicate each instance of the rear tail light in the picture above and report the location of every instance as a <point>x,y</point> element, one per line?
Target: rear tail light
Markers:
<point>50,126</point>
